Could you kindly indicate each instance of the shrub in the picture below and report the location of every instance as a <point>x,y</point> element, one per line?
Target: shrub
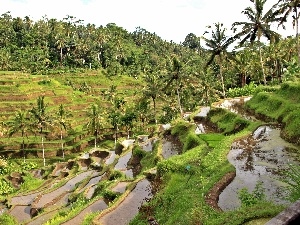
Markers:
<point>5,187</point>
<point>191,141</point>
<point>7,219</point>
<point>137,151</point>
<point>110,195</point>
<point>115,175</point>
<point>25,166</point>
<point>292,178</point>
<point>248,89</point>
<point>248,199</point>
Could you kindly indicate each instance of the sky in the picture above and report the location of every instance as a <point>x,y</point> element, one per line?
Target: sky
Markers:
<point>172,20</point>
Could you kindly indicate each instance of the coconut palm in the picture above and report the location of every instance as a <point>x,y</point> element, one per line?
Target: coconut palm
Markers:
<point>95,123</point>
<point>152,89</point>
<point>41,120</point>
<point>179,75</point>
<point>62,120</point>
<point>218,46</point>
<point>257,26</point>
<point>20,123</point>
<point>285,8</point>
<point>115,113</point>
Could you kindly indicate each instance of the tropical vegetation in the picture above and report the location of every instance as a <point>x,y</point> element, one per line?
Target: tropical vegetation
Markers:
<point>69,88</point>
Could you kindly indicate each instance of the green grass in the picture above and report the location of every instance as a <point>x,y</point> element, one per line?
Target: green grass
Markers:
<point>212,139</point>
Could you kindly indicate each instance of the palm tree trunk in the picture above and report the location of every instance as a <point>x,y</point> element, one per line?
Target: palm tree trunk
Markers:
<point>221,75</point>
<point>23,147</point>
<point>179,103</point>
<point>154,106</point>
<point>62,144</point>
<point>44,160</point>
<point>116,133</point>
<point>95,139</point>
<point>262,65</point>
<point>297,35</point>
<point>61,55</point>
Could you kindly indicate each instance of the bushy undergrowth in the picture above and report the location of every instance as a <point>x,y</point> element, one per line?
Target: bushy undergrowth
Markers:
<point>292,178</point>
<point>248,89</point>
<point>249,199</point>
<point>7,219</point>
<point>227,122</point>
<point>283,106</point>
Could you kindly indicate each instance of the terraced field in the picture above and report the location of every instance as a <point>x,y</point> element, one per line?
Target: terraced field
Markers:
<point>76,92</point>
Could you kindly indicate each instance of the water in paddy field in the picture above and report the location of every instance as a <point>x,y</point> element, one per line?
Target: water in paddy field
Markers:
<point>260,157</point>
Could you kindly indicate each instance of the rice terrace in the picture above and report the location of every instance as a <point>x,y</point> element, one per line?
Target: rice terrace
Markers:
<point>102,126</point>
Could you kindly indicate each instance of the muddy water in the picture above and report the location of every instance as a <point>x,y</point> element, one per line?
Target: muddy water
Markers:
<point>122,164</point>
<point>170,146</point>
<point>97,206</point>
<point>127,210</point>
<point>236,105</point>
<point>261,157</point>
<point>21,213</point>
<point>69,186</point>
<point>111,158</point>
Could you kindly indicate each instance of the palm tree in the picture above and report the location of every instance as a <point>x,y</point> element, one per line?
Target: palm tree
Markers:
<point>152,89</point>
<point>242,65</point>
<point>95,122</point>
<point>116,111</point>
<point>41,120</point>
<point>62,121</point>
<point>218,45</point>
<point>20,123</point>
<point>285,8</point>
<point>258,26</point>
<point>127,119</point>
<point>179,74</point>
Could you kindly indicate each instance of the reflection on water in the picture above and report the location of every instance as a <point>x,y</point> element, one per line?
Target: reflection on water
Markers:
<point>236,105</point>
<point>127,210</point>
<point>122,164</point>
<point>94,207</point>
<point>170,146</point>
<point>261,157</point>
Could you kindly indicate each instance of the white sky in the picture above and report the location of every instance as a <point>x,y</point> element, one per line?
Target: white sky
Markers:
<point>169,19</point>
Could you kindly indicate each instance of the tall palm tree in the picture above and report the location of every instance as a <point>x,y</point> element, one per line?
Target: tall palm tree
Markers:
<point>115,112</point>
<point>285,8</point>
<point>20,123</point>
<point>179,74</point>
<point>257,26</point>
<point>152,89</point>
<point>242,65</point>
<point>41,120</point>
<point>218,45</point>
<point>62,120</point>
<point>95,122</point>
